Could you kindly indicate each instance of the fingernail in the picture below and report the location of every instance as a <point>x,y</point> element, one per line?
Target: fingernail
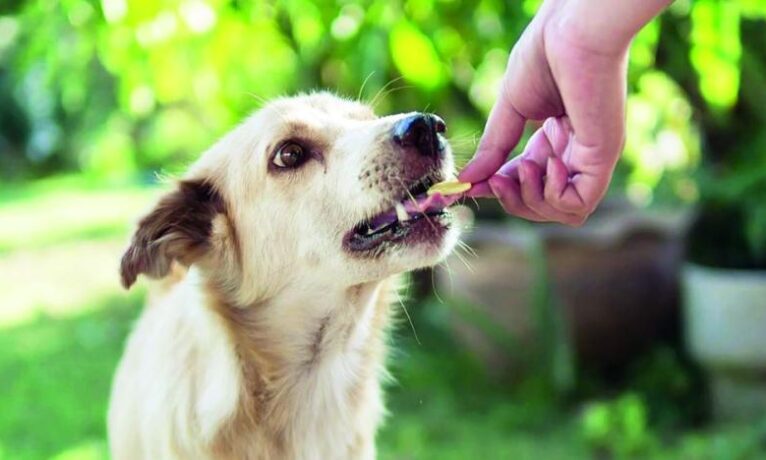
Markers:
<point>549,126</point>
<point>479,190</point>
<point>508,169</point>
<point>492,187</point>
<point>495,184</point>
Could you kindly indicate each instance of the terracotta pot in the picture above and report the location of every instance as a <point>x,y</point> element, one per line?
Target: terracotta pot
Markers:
<point>615,282</point>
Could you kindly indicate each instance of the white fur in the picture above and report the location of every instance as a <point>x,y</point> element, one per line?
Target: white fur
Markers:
<point>315,315</point>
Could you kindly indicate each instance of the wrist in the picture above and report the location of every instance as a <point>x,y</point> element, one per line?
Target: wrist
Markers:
<point>603,27</point>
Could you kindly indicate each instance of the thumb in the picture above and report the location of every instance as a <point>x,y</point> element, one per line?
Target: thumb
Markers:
<point>501,134</point>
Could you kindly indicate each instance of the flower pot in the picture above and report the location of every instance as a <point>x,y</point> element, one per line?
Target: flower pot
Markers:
<point>725,330</point>
<point>614,281</point>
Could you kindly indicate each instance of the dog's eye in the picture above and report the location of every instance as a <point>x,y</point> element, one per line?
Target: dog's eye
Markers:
<point>290,155</point>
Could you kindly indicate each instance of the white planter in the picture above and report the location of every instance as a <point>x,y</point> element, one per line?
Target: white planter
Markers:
<point>725,328</point>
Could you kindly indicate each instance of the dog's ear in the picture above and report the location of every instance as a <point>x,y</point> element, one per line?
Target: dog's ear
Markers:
<point>178,228</point>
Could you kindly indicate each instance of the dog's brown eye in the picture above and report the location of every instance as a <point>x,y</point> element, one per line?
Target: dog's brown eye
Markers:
<point>290,155</point>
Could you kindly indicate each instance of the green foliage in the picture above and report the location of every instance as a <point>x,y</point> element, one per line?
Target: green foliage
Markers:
<point>58,375</point>
<point>118,86</point>
<point>555,357</point>
<point>619,427</point>
<point>663,144</point>
<point>722,70</point>
<point>114,87</point>
<point>415,57</point>
<point>672,388</point>
<point>716,50</point>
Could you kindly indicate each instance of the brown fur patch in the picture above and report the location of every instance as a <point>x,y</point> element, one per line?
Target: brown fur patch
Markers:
<point>259,408</point>
<point>178,228</point>
<point>234,440</point>
<point>316,345</point>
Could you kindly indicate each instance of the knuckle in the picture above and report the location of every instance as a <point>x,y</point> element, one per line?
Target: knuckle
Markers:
<point>577,221</point>
<point>510,206</point>
<point>506,195</point>
<point>577,208</point>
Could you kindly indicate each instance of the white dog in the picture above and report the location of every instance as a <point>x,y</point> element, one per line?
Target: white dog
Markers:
<point>272,344</point>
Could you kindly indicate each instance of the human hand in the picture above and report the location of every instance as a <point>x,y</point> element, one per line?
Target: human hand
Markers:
<point>563,72</point>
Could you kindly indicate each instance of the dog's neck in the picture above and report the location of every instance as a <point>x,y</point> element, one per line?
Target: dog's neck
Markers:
<point>304,328</point>
<point>318,349</point>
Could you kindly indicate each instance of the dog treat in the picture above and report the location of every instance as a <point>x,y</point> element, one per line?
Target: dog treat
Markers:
<point>449,187</point>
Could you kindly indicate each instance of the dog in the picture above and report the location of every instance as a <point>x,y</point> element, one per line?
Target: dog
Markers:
<point>280,249</point>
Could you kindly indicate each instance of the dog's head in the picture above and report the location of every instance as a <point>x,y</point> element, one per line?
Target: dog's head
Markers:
<point>305,190</point>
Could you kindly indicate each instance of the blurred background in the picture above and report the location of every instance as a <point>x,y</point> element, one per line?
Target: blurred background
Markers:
<point>640,335</point>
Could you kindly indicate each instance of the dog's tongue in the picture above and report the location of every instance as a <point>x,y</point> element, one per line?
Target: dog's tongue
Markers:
<point>418,205</point>
<point>425,203</point>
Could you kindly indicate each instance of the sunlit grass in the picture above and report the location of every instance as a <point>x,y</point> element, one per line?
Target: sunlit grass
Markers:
<point>56,374</point>
<point>59,210</point>
<point>63,318</point>
<point>60,244</point>
<point>57,281</point>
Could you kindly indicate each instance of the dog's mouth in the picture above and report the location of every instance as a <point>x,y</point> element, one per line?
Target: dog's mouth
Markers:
<point>415,218</point>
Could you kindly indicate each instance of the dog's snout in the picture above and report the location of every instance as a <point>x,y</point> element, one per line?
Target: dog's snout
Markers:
<point>421,132</point>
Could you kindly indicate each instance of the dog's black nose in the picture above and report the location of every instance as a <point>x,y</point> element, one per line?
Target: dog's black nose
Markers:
<point>421,131</point>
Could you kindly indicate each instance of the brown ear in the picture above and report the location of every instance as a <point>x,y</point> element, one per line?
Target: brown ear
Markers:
<point>178,228</point>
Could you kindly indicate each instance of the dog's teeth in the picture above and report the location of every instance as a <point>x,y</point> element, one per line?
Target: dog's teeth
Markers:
<point>401,213</point>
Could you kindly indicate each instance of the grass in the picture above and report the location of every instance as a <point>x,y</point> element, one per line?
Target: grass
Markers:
<point>58,373</point>
<point>61,210</point>
<point>64,319</point>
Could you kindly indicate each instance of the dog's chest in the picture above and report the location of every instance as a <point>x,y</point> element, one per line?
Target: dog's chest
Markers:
<point>337,408</point>
<point>324,401</point>
<point>335,395</point>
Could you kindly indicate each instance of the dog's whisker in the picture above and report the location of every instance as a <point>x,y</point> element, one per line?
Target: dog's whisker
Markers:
<point>395,89</point>
<point>364,83</point>
<point>385,94</point>
<point>406,190</point>
<point>463,260</point>
<point>407,314</point>
<point>374,100</point>
<point>433,285</point>
<point>459,143</point>
<point>260,99</point>
<point>467,248</point>
<point>467,135</point>
<point>451,273</point>
<point>444,265</point>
